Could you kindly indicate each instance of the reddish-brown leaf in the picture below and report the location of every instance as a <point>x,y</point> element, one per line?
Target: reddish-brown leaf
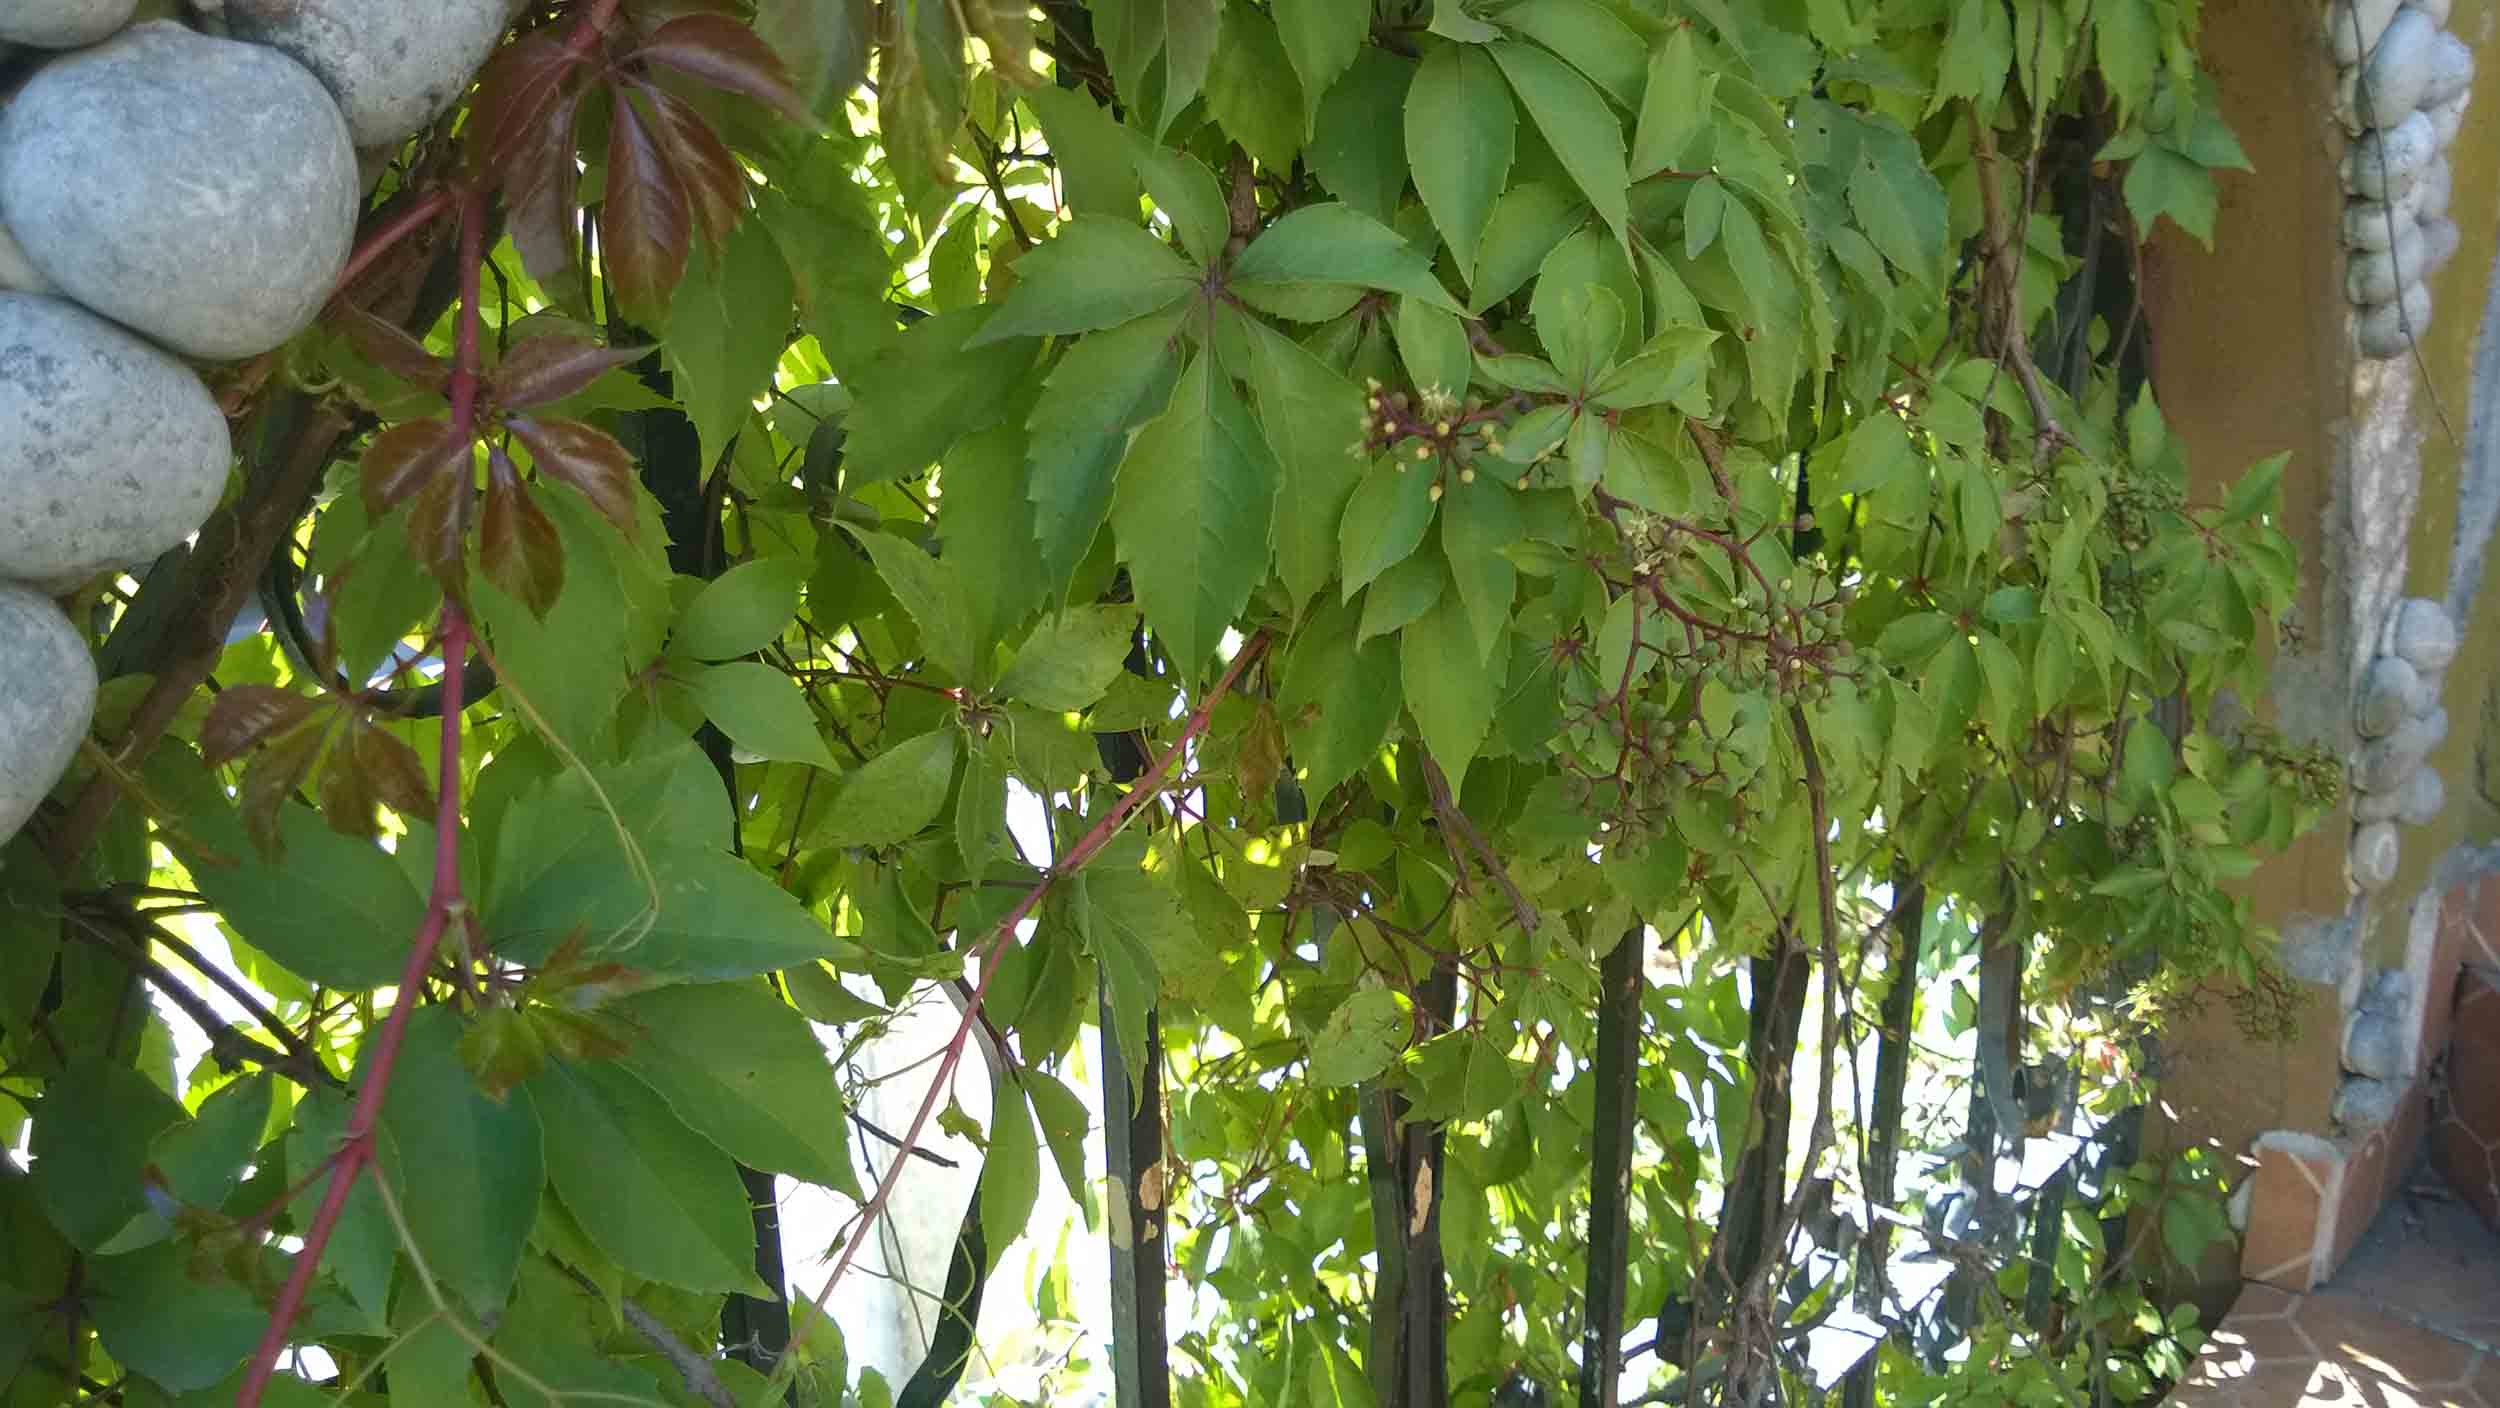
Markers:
<point>406,458</point>
<point>391,768</point>
<point>542,369</point>
<point>540,193</point>
<point>272,776</point>
<point>347,796</point>
<point>714,183</point>
<point>517,90</point>
<point>386,345</point>
<point>516,542</point>
<point>438,527</point>
<point>725,54</point>
<point>245,714</point>
<point>643,231</point>
<point>585,457</point>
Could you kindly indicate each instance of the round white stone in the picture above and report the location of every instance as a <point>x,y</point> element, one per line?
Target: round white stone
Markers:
<point>2424,635</point>
<point>2424,797</point>
<point>2376,224</point>
<point>2378,275</point>
<point>2452,70</point>
<point>2437,9</point>
<point>393,67</point>
<point>47,698</point>
<point>2384,165</point>
<point>2390,84</point>
<point>2386,330</point>
<point>2430,192</point>
<point>111,452</point>
<point>2386,697</point>
<point>62,24</point>
<point>2354,26</point>
<point>200,190</point>
<point>2441,239</point>
<point>2449,117</point>
<point>2375,850</point>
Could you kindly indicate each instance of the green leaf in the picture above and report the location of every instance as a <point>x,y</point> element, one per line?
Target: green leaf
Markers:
<point>935,599</point>
<point>1401,595</point>
<point>1336,244</point>
<point>1011,1169</point>
<point>1449,689</point>
<point>1321,37</point>
<point>1183,189</point>
<point>1461,133</point>
<point>1253,95</point>
<point>2161,182</point>
<point>473,1166</point>
<point>923,390</point>
<point>1356,148</point>
<point>741,611</point>
<point>1384,521</point>
<point>892,796</point>
<point>157,1318</point>
<point>727,323</point>
<point>1071,658</point>
<point>1477,521</point>
<point>763,711</point>
<point>1124,914</point>
<point>1361,1038</point>
<point>203,1158</point>
<point>1107,385</point>
<point>1194,507</point>
<point>1313,420</point>
<point>744,1069</point>
<point>1901,209</point>
<point>1527,222</point>
<point>1450,20</point>
<point>1675,104</point>
<point>1583,133</point>
<point>1336,699</point>
<point>93,1129</point>
<point>1433,344</point>
<point>988,531</point>
<point>981,833</point>
<point>824,44</point>
<point>1097,157</point>
<point>1065,1124</point>
<point>1096,273</point>
<point>336,910</point>
<point>1597,44</point>
<point>1672,370</point>
<point>656,1198</point>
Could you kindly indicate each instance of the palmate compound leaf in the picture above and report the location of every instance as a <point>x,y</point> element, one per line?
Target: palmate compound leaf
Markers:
<point>1577,124</point>
<point>1193,512</point>
<point>1336,244</point>
<point>1312,416</point>
<point>744,1069</point>
<point>1071,658</point>
<point>1461,133</point>
<point>1105,385</point>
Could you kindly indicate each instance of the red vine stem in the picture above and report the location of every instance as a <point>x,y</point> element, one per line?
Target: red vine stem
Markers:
<point>442,904</point>
<point>1087,847</point>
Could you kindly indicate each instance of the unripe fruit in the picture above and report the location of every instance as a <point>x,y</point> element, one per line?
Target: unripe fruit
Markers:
<point>201,191</point>
<point>111,451</point>
<point>392,67</point>
<point>47,697</point>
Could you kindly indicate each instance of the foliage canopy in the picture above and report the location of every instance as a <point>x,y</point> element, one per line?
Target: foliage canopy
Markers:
<point>1550,564</point>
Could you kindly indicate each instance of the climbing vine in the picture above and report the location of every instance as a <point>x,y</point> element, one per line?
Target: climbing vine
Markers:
<point>1567,624</point>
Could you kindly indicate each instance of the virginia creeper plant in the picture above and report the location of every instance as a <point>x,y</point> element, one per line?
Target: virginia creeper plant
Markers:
<point>1619,663</point>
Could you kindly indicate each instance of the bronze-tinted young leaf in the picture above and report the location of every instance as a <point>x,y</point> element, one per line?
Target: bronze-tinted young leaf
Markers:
<point>502,1047</point>
<point>347,795</point>
<point>725,54</point>
<point>387,346</point>
<point>542,369</point>
<point>585,457</point>
<point>247,714</point>
<point>406,458</point>
<point>391,768</point>
<point>541,181</point>
<point>517,91</point>
<point>516,541</point>
<point>715,185</point>
<point>272,776</point>
<point>438,526</point>
<point>644,233</point>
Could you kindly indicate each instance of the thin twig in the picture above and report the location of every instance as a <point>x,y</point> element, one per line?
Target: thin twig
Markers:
<point>1456,822</point>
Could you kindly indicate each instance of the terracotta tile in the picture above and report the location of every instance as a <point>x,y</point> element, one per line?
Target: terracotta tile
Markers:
<point>2297,1178</point>
<point>2261,1302</point>
<point>2367,1175</point>
<point>2379,1351</point>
